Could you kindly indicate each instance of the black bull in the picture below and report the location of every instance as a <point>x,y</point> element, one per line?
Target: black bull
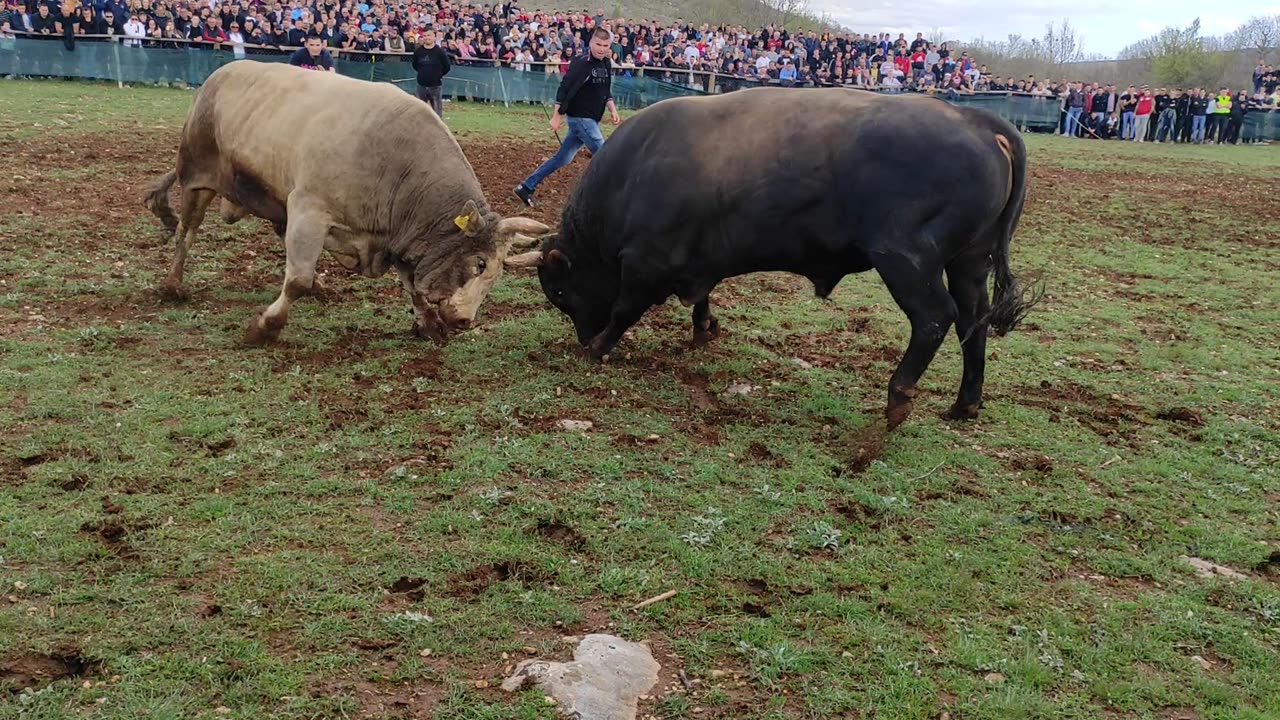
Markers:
<point>817,182</point>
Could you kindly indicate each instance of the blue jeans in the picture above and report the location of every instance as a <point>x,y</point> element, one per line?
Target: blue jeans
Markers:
<point>1073,120</point>
<point>1126,126</point>
<point>1197,128</point>
<point>580,132</point>
<point>1168,122</point>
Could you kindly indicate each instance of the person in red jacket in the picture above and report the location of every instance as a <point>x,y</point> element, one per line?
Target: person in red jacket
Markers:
<point>904,63</point>
<point>1142,114</point>
<point>917,63</point>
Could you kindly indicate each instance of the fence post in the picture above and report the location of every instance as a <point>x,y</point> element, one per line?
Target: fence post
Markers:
<point>502,85</point>
<point>115,51</point>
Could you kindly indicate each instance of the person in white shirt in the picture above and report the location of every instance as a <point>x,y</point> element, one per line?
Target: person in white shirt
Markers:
<point>236,38</point>
<point>134,31</point>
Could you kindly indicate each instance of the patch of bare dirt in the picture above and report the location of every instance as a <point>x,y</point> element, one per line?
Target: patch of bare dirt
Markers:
<point>560,533</point>
<point>1111,417</point>
<point>35,671</point>
<point>478,579</point>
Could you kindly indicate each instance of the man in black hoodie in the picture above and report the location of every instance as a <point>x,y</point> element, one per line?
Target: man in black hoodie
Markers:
<point>583,95</point>
<point>431,62</point>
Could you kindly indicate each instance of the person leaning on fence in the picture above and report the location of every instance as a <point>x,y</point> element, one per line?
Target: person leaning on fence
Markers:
<point>312,56</point>
<point>584,94</point>
<point>431,63</point>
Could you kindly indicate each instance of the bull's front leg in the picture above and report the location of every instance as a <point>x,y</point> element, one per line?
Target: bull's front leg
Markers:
<point>626,312</point>
<point>427,322</point>
<point>705,325</point>
<point>303,243</point>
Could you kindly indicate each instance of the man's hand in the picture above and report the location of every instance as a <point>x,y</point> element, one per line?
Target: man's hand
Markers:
<point>613,117</point>
<point>555,122</point>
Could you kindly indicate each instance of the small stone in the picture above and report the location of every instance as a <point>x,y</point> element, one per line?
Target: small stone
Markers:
<point>1204,664</point>
<point>717,674</point>
<point>12,598</point>
<point>19,585</point>
<point>506,656</point>
<point>846,655</point>
<point>570,640</point>
<point>802,363</point>
<point>87,685</point>
<point>548,700</point>
<point>222,710</point>
<point>115,678</point>
<point>529,650</point>
<point>995,678</point>
<point>944,715</point>
<point>482,684</point>
<point>575,425</point>
<point>651,438</point>
<point>424,652</point>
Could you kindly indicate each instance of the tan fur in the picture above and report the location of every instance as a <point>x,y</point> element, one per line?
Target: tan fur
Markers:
<point>361,169</point>
<point>1007,149</point>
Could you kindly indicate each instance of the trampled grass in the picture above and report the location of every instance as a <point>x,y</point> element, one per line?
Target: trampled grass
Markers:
<point>193,529</point>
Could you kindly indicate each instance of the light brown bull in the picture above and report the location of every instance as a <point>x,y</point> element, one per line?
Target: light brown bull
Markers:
<point>361,169</point>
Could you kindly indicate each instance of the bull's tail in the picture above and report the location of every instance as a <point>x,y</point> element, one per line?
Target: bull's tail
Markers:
<point>157,200</point>
<point>1011,301</point>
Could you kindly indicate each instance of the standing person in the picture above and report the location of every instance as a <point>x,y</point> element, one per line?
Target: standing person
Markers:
<point>1075,104</point>
<point>431,62</point>
<point>1236,118</point>
<point>583,95</point>
<point>312,56</point>
<point>1166,116</point>
<point>1128,103</point>
<point>1199,115</point>
<point>1142,115</point>
<point>1221,111</point>
<point>1183,106</point>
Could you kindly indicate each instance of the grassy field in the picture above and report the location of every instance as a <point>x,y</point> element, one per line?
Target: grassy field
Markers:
<point>357,524</point>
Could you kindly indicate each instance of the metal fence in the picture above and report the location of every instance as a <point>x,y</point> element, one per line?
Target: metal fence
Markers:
<point>177,61</point>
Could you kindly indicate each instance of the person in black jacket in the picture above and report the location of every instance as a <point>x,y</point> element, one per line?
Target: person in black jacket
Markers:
<point>583,95</point>
<point>431,62</point>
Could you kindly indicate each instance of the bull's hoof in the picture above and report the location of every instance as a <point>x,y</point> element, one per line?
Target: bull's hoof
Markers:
<point>435,334</point>
<point>702,338</point>
<point>895,415</point>
<point>963,412</point>
<point>173,293</point>
<point>322,292</point>
<point>899,407</point>
<point>260,335</point>
<point>596,352</point>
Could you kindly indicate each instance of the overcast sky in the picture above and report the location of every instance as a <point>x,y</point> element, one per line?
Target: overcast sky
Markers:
<point>1105,25</point>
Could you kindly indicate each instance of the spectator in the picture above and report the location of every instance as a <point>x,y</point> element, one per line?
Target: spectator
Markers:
<point>1167,114</point>
<point>1200,115</point>
<point>1128,105</point>
<point>312,56</point>
<point>1075,104</point>
<point>1221,113</point>
<point>134,31</point>
<point>1239,107</point>
<point>430,63</point>
<point>236,38</point>
<point>1142,114</point>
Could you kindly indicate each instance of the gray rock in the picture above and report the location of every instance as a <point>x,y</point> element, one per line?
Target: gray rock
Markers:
<point>604,681</point>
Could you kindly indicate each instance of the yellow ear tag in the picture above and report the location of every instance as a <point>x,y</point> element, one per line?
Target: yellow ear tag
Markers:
<point>462,221</point>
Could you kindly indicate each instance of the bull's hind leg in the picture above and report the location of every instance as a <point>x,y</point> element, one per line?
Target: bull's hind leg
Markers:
<point>967,282</point>
<point>705,325</point>
<point>303,242</point>
<point>194,204</point>
<point>922,296</point>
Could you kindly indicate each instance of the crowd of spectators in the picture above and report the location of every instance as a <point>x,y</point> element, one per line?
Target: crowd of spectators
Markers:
<point>506,34</point>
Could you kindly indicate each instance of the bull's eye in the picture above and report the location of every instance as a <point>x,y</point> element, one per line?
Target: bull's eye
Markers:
<point>481,265</point>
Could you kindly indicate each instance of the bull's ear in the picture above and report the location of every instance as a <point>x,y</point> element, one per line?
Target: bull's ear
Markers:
<point>470,221</point>
<point>508,227</point>
<point>555,257</point>
<point>533,258</point>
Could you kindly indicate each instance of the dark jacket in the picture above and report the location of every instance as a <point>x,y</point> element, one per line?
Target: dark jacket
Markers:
<point>586,88</point>
<point>431,64</point>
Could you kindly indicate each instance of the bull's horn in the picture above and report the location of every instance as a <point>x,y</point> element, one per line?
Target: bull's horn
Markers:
<point>522,242</point>
<point>521,225</point>
<point>533,258</point>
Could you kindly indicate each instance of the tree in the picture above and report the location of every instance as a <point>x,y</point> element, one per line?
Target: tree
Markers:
<point>785,11</point>
<point>1179,57</point>
<point>1259,34</point>
<point>1061,45</point>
